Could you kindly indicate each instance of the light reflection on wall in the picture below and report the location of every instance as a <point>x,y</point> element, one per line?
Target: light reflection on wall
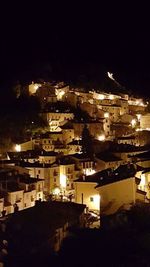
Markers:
<point>63,180</point>
<point>96,201</point>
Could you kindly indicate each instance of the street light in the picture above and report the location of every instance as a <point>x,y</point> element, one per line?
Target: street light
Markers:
<point>18,148</point>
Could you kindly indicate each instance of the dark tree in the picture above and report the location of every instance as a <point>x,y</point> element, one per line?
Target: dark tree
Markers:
<point>87,144</point>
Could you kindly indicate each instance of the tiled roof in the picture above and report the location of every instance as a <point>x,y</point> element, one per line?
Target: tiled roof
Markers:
<point>29,180</point>
<point>108,176</point>
<point>37,164</point>
<point>107,157</point>
<point>145,155</point>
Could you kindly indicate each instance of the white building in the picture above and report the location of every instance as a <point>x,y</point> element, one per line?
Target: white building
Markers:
<point>145,121</point>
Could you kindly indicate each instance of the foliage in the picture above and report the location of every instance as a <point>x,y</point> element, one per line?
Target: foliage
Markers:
<point>87,144</point>
<point>127,243</point>
<point>19,122</point>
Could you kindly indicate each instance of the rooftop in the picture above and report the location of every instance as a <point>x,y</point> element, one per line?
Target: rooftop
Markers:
<point>49,215</point>
<point>13,186</point>
<point>81,157</point>
<point>37,164</point>
<point>76,142</point>
<point>24,154</point>
<point>66,161</point>
<point>29,180</point>
<point>144,155</point>
<point>124,148</point>
<point>109,176</point>
<point>67,125</point>
<point>107,157</point>
<point>48,134</point>
<point>131,137</point>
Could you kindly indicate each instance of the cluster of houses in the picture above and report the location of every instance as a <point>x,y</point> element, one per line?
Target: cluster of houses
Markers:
<point>51,164</point>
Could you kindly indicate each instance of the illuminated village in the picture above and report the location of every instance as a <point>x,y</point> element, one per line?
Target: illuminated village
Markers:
<point>54,164</point>
<point>94,150</point>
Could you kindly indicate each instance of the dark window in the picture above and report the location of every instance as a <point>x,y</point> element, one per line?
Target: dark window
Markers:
<point>55,173</point>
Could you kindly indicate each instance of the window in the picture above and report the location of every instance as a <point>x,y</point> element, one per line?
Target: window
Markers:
<point>91,199</point>
<point>55,173</point>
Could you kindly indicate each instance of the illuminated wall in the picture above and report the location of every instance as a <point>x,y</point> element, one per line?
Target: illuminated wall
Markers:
<point>67,176</point>
<point>87,194</point>
<point>118,195</point>
<point>112,197</point>
<point>145,121</point>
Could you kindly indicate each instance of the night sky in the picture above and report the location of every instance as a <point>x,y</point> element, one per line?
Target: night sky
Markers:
<point>72,38</point>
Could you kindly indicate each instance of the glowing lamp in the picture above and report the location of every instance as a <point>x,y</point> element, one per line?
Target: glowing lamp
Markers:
<point>137,102</point>
<point>111,97</point>
<point>89,171</point>
<point>110,75</point>
<point>133,122</point>
<point>56,191</point>
<point>106,115</point>
<point>101,96</point>
<point>101,137</point>
<point>18,148</point>
<point>59,93</point>
<point>36,86</point>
